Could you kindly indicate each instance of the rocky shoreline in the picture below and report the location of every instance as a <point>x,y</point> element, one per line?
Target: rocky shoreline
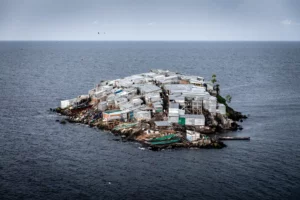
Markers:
<point>151,121</point>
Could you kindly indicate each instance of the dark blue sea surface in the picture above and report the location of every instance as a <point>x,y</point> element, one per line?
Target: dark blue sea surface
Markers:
<point>42,159</point>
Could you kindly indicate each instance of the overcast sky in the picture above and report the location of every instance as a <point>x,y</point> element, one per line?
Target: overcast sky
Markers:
<point>150,19</point>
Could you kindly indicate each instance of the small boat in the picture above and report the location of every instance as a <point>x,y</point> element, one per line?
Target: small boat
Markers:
<point>165,142</point>
<point>234,138</point>
<point>163,138</point>
<point>167,139</point>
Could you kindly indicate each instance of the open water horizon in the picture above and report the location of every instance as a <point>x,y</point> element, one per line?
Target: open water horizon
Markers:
<point>42,159</point>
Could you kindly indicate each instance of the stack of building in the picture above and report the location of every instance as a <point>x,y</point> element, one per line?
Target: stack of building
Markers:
<point>140,97</point>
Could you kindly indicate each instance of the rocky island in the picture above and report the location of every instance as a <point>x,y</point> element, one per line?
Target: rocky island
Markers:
<point>160,109</point>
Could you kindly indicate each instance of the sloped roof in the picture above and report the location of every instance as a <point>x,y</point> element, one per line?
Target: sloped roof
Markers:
<point>194,116</point>
<point>147,88</point>
<point>162,123</point>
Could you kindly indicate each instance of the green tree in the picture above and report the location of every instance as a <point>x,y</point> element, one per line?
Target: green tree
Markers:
<point>228,98</point>
<point>213,78</point>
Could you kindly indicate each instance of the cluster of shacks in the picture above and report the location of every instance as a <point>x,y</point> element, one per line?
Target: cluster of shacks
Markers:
<point>177,98</point>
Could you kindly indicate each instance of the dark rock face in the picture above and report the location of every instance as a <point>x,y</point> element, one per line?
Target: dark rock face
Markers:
<point>234,126</point>
<point>232,114</point>
<point>219,128</point>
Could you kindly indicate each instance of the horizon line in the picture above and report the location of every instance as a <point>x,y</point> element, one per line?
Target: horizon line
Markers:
<point>149,40</point>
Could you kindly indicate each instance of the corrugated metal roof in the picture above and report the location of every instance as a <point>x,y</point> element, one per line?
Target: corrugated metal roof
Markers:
<point>150,95</point>
<point>193,116</point>
<point>174,105</point>
<point>176,97</point>
<point>174,114</point>
<point>162,123</point>
<point>146,108</point>
<point>112,111</point>
<point>149,88</point>
<point>171,77</point>
<point>180,88</point>
<point>126,106</point>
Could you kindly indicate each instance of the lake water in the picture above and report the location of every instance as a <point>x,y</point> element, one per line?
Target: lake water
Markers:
<point>42,159</point>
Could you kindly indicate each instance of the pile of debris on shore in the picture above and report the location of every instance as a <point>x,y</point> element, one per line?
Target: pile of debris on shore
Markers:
<point>161,109</point>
